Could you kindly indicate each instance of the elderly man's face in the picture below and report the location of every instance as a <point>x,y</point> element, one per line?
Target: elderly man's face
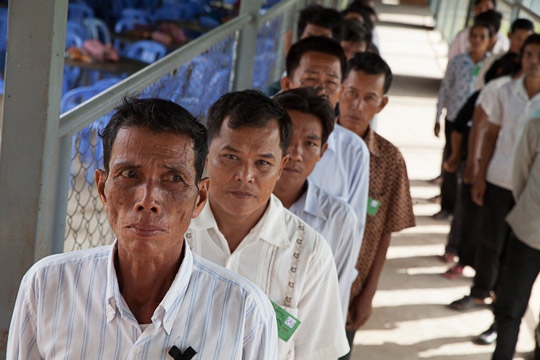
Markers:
<point>244,165</point>
<point>150,193</point>
<point>317,70</point>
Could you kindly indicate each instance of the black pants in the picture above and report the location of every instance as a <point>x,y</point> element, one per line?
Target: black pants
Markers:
<point>495,232</point>
<point>350,339</point>
<point>517,279</point>
<point>456,227</point>
<point>471,218</point>
<point>449,180</point>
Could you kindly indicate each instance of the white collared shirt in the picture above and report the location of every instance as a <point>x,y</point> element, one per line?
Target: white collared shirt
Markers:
<point>337,223</point>
<point>294,266</point>
<point>511,112</point>
<point>70,306</point>
<point>343,172</point>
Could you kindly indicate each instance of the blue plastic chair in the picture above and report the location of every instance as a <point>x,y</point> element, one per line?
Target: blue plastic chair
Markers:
<point>97,29</point>
<point>90,159</point>
<point>122,26</point>
<point>139,15</point>
<point>104,84</point>
<point>146,50</point>
<point>79,11</point>
<point>208,22</point>
<point>73,40</point>
<point>76,28</point>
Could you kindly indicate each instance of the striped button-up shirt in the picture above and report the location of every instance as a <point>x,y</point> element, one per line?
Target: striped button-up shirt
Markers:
<point>69,306</point>
<point>336,221</point>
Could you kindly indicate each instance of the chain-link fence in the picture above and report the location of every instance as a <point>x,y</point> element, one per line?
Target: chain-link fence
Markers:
<point>195,85</point>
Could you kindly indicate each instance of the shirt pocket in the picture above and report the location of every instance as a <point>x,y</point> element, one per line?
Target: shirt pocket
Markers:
<point>286,349</point>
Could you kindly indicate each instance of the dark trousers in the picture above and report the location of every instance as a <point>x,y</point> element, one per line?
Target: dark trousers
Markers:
<point>522,266</point>
<point>449,180</point>
<point>350,339</point>
<point>471,218</point>
<point>456,227</point>
<point>495,232</point>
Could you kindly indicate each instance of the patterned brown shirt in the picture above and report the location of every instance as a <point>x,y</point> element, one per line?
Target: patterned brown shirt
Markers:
<point>389,185</point>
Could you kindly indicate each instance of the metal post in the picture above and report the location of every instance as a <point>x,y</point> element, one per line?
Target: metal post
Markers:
<point>29,144</point>
<point>247,44</point>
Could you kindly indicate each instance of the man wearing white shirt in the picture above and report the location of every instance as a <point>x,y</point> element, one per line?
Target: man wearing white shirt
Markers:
<point>146,296</point>
<point>320,63</point>
<point>246,229</point>
<point>313,120</point>
<point>517,102</point>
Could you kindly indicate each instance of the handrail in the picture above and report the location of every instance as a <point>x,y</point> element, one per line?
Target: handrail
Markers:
<point>528,10</point>
<point>81,116</point>
<point>276,10</point>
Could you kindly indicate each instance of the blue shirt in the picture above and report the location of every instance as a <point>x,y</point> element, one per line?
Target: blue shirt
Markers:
<point>343,172</point>
<point>336,221</point>
<point>70,306</point>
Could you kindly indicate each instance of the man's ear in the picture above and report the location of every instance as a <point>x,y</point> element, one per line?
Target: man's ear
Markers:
<point>285,83</point>
<point>323,149</point>
<point>202,197</point>
<point>101,178</point>
<point>283,162</point>
<point>384,101</point>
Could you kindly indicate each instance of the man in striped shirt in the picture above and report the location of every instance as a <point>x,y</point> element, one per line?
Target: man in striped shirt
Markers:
<point>146,296</point>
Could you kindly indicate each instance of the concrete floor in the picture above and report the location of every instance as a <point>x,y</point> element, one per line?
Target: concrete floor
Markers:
<point>410,318</point>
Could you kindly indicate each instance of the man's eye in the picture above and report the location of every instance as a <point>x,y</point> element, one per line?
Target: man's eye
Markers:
<point>174,178</point>
<point>311,143</point>
<point>263,162</point>
<point>128,173</point>
<point>231,157</point>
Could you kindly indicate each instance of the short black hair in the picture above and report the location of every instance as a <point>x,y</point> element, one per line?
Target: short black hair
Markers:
<point>249,108</point>
<point>355,31</point>
<point>481,24</point>
<point>491,17</point>
<point>159,116</point>
<point>308,101</point>
<point>320,16</point>
<point>533,39</point>
<point>371,64</point>
<point>522,24</point>
<point>477,2</point>
<point>318,44</point>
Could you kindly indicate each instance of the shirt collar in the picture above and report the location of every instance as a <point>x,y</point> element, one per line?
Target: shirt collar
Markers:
<point>167,310</point>
<point>371,142</point>
<point>270,228</point>
<point>309,202</point>
<point>519,87</point>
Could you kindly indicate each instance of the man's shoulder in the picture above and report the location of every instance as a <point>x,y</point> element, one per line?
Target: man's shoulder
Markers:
<point>312,242</point>
<point>389,150</point>
<point>346,138</point>
<point>72,258</point>
<point>332,205</point>
<point>233,283</point>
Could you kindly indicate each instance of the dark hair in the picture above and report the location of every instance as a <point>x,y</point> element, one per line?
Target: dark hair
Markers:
<point>533,39</point>
<point>365,11</point>
<point>159,116</point>
<point>491,17</point>
<point>508,64</point>
<point>355,31</point>
<point>308,101</point>
<point>522,24</point>
<point>371,64</point>
<point>320,16</point>
<point>477,2</point>
<point>481,24</point>
<point>318,44</point>
<point>248,108</point>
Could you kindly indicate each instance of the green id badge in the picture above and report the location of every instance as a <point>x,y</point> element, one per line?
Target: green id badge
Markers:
<point>476,70</point>
<point>286,323</point>
<point>372,206</point>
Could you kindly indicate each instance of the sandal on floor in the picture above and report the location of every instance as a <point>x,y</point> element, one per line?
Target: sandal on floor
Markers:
<point>448,257</point>
<point>455,272</point>
<point>466,303</point>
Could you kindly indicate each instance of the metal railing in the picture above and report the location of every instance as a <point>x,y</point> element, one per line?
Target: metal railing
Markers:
<point>453,16</point>
<point>193,76</point>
